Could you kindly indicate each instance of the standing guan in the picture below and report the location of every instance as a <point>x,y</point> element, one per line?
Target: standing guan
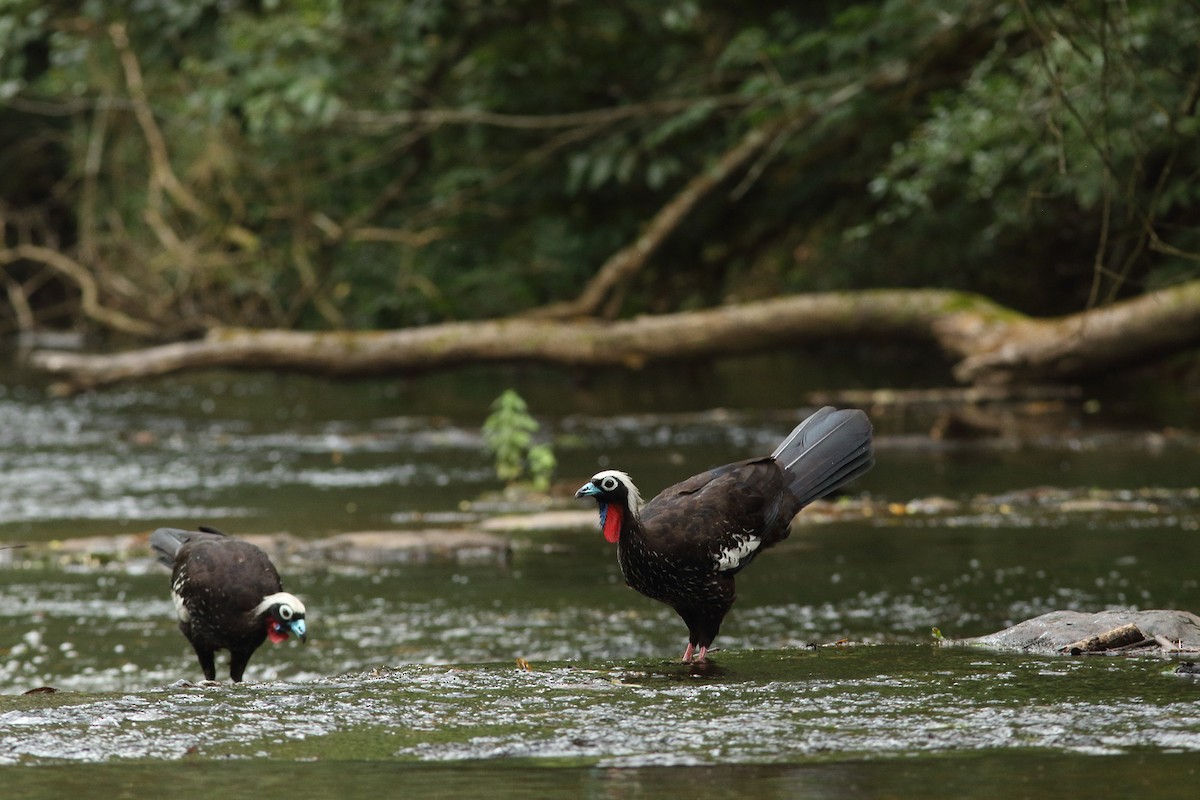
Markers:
<point>228,596</point>
<point>685,546</point>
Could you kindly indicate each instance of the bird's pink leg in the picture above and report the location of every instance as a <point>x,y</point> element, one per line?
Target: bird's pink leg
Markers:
<point>687,654</point>
<point>703,653</point>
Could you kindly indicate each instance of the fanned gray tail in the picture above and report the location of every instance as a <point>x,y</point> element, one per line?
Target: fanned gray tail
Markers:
<point>825,452</point>
<point>165,542</point>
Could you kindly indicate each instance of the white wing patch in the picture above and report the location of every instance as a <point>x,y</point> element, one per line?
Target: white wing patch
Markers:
<point>732,557</point>
<point>180,607</point>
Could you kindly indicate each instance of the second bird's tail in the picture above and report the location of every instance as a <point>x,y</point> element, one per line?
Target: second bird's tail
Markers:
<point>165,542</point>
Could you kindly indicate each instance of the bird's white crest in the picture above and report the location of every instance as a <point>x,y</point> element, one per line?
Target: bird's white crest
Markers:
<point>280,597</point>
<point>732,557</point>
<point>635,497</point>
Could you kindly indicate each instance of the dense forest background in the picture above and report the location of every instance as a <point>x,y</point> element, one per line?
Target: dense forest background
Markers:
<point>167,167</point>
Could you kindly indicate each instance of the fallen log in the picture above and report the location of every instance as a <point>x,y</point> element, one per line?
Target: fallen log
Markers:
<point>1129,333</point>
<point>631,343</point>
<point>992,344</point>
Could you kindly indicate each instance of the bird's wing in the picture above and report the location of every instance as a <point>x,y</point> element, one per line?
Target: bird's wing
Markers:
<point>719,520</point>
<point>243,571</point>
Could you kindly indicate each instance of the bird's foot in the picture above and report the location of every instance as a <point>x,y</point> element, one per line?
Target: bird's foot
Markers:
<point>700,656</point>
<point>687,653</point>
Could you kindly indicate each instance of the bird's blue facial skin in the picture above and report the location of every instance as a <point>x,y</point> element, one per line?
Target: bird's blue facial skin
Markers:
<point>590,489</point>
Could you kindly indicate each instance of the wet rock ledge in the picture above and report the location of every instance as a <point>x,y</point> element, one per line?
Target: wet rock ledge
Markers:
<point>1111,632</point>
<point>353,548</point>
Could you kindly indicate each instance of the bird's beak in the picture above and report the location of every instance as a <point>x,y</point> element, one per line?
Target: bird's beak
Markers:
<point>589,489</point>
<point>298,628</point>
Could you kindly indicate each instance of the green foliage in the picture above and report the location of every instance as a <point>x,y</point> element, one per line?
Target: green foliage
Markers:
<point>508,433</point>
<point>386,164</point>
<point>1075,118</point>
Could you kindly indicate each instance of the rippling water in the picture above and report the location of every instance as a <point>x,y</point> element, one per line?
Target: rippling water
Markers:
<point>413,662</point>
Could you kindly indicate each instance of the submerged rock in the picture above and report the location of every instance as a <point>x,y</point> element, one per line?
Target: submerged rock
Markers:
<point>377,547</point>
<point>356,547</point>
<point>542,521</point>
<point>1167,630</point>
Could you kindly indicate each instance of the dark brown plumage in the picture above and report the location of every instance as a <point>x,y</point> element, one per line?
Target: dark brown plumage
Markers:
<point>228,596</point>
<point>687,544</point>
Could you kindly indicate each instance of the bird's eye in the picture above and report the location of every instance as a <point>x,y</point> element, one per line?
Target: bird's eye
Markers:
<point>285,612</point>
<point>608,484</point>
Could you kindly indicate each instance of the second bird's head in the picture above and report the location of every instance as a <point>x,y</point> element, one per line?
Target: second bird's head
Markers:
<point>284,615</point>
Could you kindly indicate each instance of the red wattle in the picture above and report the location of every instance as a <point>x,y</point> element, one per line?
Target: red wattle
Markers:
<point>612,523</point>
<point>275,632</point>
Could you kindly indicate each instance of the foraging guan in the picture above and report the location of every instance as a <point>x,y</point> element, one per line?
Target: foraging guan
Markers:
<point>685,546</point>
<point>228,596</point>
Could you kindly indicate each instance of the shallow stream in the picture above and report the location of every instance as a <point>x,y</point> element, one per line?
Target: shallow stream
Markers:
<point>411,678</point>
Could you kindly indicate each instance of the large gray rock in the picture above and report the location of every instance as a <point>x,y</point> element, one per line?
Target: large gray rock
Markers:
<point>1051,632</point>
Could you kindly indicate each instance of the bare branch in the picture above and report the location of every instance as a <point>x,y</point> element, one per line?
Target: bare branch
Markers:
<point>89,293</point>
<point>160,161</point>
<point>408,238</point>
<point>625,263</point>
<point>19,301</point>
<point>434,117</point>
